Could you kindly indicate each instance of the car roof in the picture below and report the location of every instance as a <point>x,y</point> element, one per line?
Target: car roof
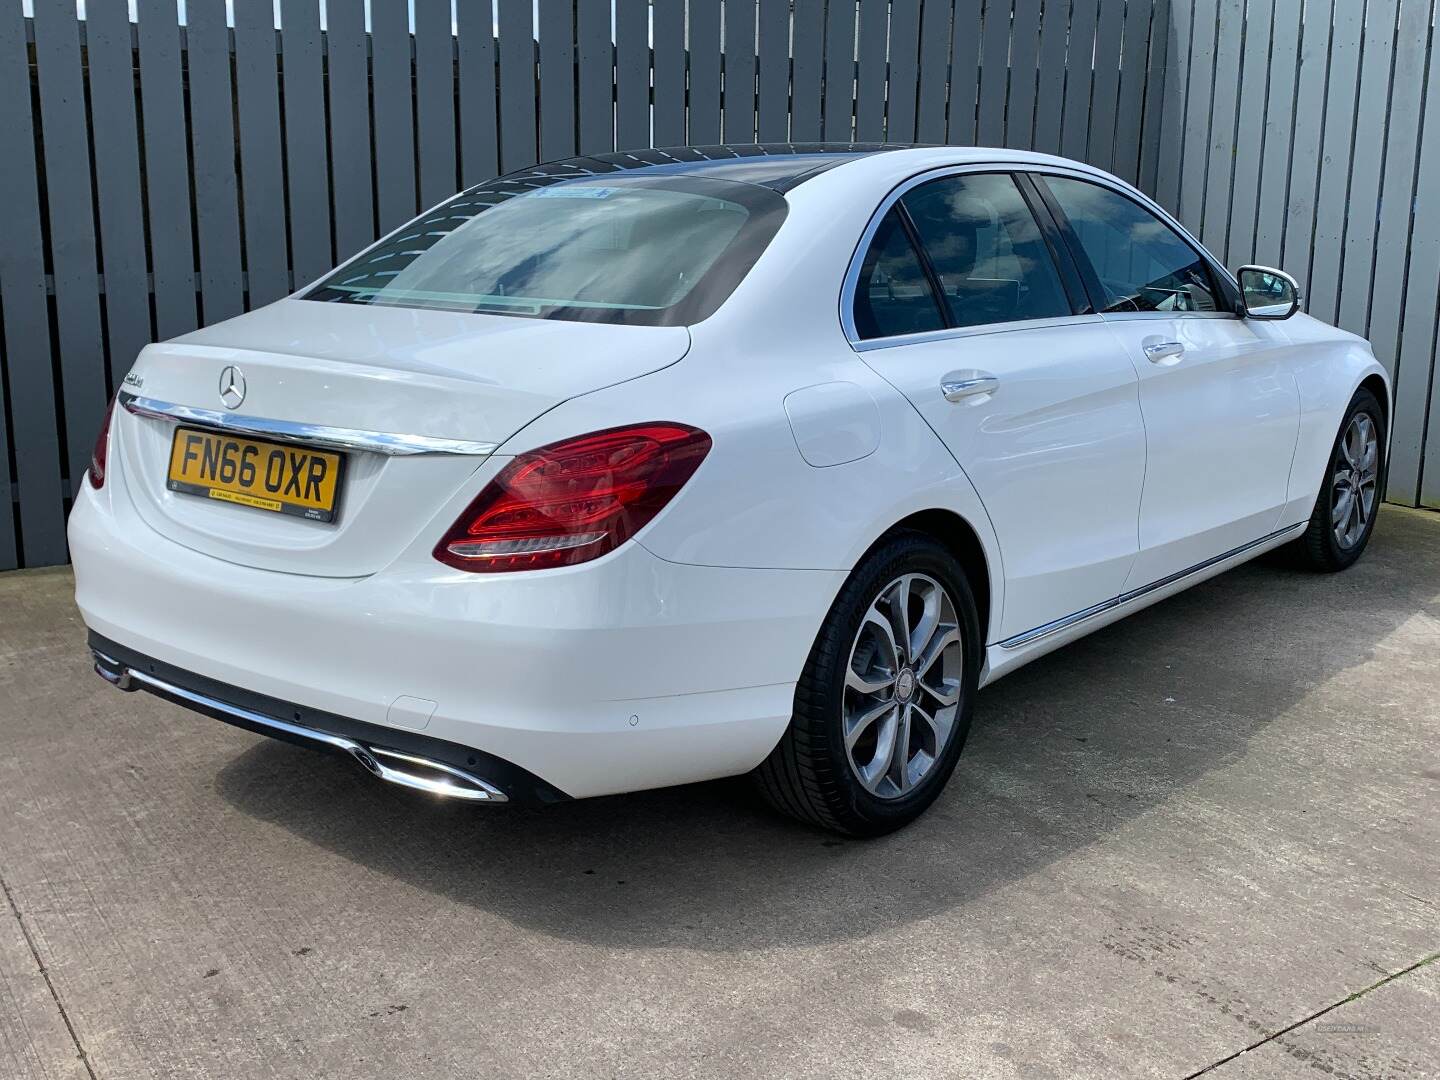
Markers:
<point>778,166</point>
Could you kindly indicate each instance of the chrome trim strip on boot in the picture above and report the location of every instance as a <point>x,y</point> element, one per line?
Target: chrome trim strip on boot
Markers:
<point>332,438</point>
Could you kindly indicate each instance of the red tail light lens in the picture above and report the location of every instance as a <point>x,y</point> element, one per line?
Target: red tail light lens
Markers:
<point>573,501</point>
<point>101,452</point>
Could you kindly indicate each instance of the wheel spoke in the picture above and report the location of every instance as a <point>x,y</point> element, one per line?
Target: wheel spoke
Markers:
<point>1347,447</point>
<point>947,693</point>
<point>871,684</point>
<point>900,763</point>
<point>857,725</point>
<point>879,766</point>
<point>942,641</point>
<point>925,628</point>
<point>1369,458</point>
<point>1343,506</point>
<point>883,629</point>
<point>900,612</point>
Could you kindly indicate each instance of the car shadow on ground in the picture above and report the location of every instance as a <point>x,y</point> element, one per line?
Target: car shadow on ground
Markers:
<point>1062,753</point>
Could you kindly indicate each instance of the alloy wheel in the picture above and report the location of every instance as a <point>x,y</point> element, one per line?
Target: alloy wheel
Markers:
<point>903,685</point>
<point>1354,485</point>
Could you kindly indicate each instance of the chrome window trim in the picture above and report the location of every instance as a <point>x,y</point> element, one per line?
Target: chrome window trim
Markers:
<point>1147,316</point>
<point>288,431</point>
<point>981,330</point>
<point>1074,618</point>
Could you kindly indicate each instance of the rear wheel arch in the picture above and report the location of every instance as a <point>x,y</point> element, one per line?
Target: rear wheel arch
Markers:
<point>962,541</point>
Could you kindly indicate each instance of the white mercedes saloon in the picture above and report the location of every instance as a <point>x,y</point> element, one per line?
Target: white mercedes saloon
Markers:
<point>656,467</point>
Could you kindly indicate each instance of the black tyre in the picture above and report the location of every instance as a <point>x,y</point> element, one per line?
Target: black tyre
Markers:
<point>884,703</point>
<point>1345,509</point>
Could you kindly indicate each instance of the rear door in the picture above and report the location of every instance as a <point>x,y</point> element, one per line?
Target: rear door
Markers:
<point>961,305</point>
<point>1221,407</point>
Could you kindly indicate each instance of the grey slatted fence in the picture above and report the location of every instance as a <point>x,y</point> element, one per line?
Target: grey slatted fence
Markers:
<point>160,175</point>
<point>1311,141</point>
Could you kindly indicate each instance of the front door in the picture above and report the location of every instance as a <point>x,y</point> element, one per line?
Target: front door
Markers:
<point>1038,404</point>
<point>1221,407</point>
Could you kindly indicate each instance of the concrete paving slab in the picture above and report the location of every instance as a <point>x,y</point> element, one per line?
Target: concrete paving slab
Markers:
<point>34,1042</point>
<point>1164,843</point>
<point>1392,1031</point>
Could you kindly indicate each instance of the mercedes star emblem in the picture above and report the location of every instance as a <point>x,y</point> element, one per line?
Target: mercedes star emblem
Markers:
<point>232,387</point>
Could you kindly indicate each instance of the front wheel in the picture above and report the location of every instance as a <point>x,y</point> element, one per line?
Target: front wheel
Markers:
<point>1344,514</point>
<point>883,705</point>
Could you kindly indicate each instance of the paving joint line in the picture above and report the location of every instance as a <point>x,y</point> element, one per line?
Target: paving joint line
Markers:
<point>49,983</point>
<point>1316,1015</point>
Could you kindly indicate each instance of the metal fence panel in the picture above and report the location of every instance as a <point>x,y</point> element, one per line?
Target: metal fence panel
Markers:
<point>555,29</point>
<point>167,171</point>
<point>872,28</point>
<point>72,232</point>
<point>33,437</point>
<point>1024,75</point>
<point>740,62</point>
<point>669,56</point>
<point>632,72</point>
<point>807,70</point>
<point>262,169</point>
<point>351,184</point>
<point>110,53</point>
<point>1050,91</point>
<point>704,71</point>
<point>994,72</point>
<point>1105,84</point>
<point>212,150</point>
<point>839,68</point>
<point>434,99</point>
<point>934,54</point>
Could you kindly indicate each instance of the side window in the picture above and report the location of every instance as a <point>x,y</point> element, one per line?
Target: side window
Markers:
<point>1142,263</point>
<point>992,262</point>
<point>893,295</point>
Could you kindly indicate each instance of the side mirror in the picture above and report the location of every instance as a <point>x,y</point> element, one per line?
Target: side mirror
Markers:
<point>1269,293</point>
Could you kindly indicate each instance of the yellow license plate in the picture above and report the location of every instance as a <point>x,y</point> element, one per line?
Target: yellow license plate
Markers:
<point>270,476</point>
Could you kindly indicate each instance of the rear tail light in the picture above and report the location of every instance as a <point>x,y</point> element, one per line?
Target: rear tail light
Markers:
<point>101,452</point>
<point>573,501</point>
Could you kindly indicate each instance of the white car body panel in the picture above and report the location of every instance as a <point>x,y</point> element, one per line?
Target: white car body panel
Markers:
<point>1225,409</point>
<point>1087,476</point>
<point>1063,431</point>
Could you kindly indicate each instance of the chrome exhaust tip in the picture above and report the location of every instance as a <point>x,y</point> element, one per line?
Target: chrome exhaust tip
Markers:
<point>393,767</point>
<point>425,774</point>
<point>113,672</point>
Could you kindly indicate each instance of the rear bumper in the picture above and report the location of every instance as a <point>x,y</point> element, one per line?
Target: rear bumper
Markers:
<point>403,758</point>
<point>627,673</point>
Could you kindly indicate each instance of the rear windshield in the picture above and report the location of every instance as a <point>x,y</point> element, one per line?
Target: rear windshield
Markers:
<point>655,251</point>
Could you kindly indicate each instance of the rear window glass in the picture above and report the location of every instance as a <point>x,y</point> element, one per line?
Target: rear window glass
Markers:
<point>645,250</point>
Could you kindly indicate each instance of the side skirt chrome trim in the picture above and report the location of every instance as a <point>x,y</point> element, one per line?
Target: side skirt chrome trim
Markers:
<point>333,438</point>
<point>451,782</point>
<point>1135,594</point>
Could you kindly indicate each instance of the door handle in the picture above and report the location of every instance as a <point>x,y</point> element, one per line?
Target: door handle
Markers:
<point>1159,351</point>
<point>957,389</point>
